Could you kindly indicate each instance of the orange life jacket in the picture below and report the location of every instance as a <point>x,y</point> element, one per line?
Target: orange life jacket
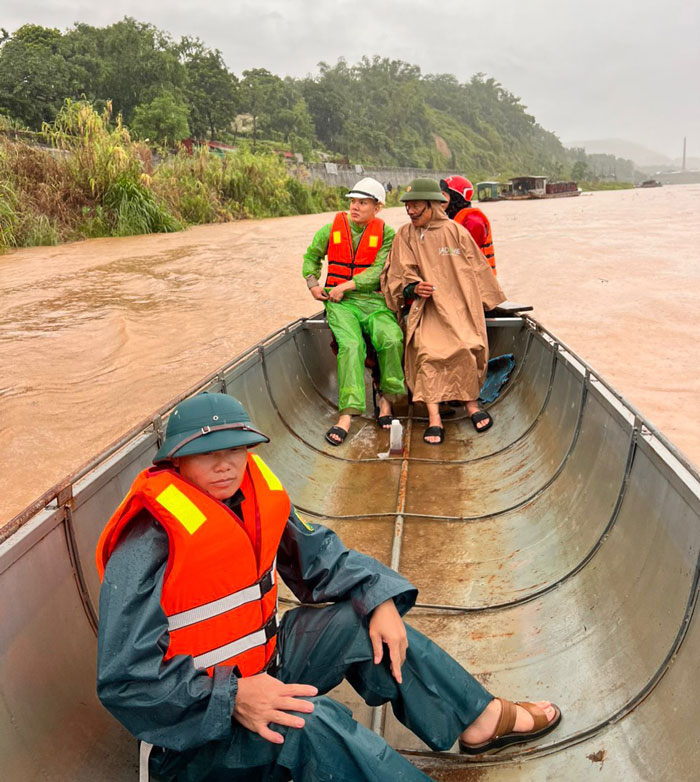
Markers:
<point>487,246</point>
<point>220,585</point>
<point>344,262</point>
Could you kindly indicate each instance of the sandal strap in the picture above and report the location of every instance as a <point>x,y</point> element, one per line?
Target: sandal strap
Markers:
<point>506,722</point>
<point>538,715</point>
<point>339,432</point>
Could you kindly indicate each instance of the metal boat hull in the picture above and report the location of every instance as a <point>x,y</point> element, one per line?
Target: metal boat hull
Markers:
<point>556,557</point>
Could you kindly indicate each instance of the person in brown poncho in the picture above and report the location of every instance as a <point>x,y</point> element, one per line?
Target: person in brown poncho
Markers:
<point>437,270</point>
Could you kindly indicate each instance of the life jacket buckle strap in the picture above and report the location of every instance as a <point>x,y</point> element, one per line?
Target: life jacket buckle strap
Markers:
<point>270,627</point>
<point>273,664</point>
<point>266,582</point>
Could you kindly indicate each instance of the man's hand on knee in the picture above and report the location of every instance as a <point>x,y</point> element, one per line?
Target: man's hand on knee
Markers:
<point>387,627</point>
<point>263,699</point>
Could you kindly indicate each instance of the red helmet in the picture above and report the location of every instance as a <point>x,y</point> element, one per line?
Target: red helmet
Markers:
<point>460,185</point>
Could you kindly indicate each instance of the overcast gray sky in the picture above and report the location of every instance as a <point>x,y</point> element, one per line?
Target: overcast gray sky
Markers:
<point>586,70</point>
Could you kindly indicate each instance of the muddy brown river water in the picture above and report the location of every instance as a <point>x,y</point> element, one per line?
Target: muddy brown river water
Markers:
<point>96,335</point>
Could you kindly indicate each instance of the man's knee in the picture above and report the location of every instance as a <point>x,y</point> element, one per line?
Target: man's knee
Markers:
<point>338,636</point>
<point>389,338</point>
<point>327,714</point>
<point>352,345</point>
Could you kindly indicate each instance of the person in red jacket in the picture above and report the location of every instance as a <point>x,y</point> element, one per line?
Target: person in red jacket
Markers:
<point>459,190</point>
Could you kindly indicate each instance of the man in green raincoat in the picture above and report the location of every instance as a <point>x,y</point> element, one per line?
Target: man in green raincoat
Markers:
<point>209,516</point>
<point>357,246</point>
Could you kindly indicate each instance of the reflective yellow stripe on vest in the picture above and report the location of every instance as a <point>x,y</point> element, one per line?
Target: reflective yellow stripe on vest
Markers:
<point>273,482</point>
<point>182,508</point>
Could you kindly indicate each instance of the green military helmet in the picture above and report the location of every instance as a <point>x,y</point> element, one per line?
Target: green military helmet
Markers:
<point>423,190</point>
<point>207,422</point>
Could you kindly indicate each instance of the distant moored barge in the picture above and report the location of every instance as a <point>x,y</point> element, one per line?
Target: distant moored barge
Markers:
<point>526,187</point>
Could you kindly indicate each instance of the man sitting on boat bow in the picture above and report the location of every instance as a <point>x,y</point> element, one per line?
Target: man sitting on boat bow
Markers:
<point>357,246</point>
<point>192,659</point>
<point>436,268</point>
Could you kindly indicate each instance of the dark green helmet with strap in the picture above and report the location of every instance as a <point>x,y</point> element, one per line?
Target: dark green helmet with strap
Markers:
<point>205,423</point>
<point>423,190</point>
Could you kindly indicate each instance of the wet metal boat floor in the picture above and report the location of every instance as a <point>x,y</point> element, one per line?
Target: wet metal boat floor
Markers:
<point>556,557</point>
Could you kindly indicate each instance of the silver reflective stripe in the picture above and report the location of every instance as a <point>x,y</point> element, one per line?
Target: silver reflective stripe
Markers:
<point>216,607</point>
<point>216,656</point>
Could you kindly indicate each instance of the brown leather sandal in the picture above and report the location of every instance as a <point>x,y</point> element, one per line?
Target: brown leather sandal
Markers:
<point>504,736</point>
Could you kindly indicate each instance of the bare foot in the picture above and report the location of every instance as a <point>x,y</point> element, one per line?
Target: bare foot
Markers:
<point>384,409</point>
<point>344,422</point>
<point>484,726</point>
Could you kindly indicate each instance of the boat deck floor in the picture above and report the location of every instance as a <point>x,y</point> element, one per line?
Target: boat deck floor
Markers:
<point>556,556</point>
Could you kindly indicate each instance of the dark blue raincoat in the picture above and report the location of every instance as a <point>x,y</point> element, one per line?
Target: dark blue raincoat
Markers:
<point>187,714</point>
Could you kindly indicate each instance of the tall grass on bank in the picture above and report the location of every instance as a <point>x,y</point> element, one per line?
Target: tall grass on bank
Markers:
<point>91,181</point>
<point>94,180</point>
<point>205,188</point>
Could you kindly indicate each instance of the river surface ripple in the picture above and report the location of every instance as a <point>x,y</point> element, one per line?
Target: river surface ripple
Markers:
<point>96,335</point>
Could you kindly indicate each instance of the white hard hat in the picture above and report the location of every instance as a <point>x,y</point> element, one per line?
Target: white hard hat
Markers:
<point>368,188</point>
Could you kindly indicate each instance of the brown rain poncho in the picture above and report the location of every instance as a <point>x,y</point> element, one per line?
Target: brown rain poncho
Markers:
<point>446,344</point>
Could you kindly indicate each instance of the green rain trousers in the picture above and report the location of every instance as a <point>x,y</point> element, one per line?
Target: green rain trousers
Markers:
<point>358,314</point>
<point>323,646</point>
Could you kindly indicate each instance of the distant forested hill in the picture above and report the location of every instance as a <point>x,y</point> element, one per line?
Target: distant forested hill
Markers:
<point>641,155</point>
<point>378,111</point>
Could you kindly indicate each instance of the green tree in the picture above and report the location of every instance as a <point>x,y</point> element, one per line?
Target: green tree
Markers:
<point>83,47</point>
<point>579,171</point>
<point>140,63</point>
<point>329,100</point>
<point>34,75</point>
<point>163,120</point>
<point>290,118</point>
<point>211,90</point>
<point>261,93</point>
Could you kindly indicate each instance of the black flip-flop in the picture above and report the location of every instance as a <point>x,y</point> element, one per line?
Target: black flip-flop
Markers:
<point>339,432</point>
<point>384,421</point>
<point>434,431</point>
<point>481,415</point>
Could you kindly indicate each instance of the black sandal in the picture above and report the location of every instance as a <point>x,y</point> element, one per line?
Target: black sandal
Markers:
<point>383,421</point>
<point>481,415</point>
<point>339,432</point>
<point>434,431</point>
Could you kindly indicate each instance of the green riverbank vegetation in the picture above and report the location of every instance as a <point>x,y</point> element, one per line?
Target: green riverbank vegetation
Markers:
<point>94,180</point>
<point>589,186</point>
<point>113,102</point>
